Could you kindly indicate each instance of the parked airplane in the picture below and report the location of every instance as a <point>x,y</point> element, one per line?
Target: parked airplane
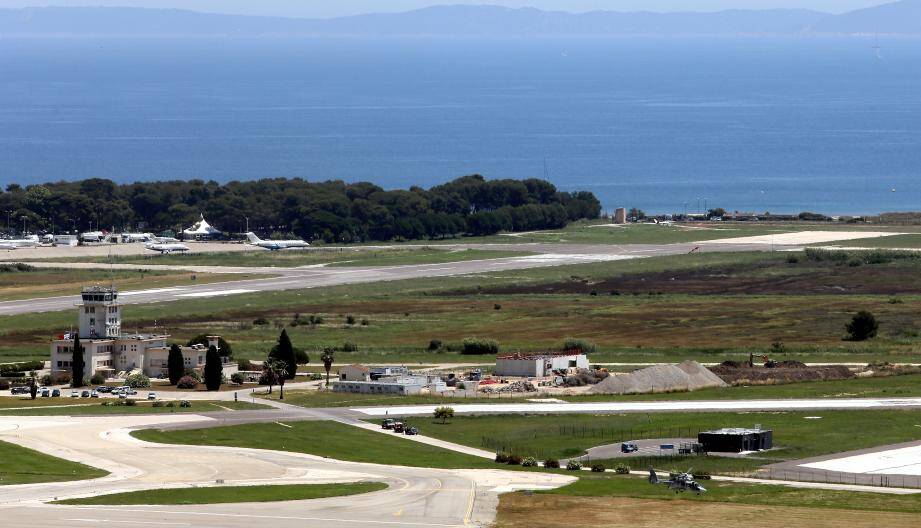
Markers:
<point>678,482</point>
<point>30,241</point>
<point>275,245</point>
<point>166,248</point>
<point>128,238</point>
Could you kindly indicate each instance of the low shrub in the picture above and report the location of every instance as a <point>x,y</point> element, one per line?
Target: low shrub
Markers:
<point>598,468</point>
<point>245,364</point>
<point>514,460</point>
<point>157,404</point>
<point>130,403</point>
<point>501,458</point>
<point>97,379</point>
<point>497,306</point>
<point>185,403</point>
<point>170,404</point>
<point>261,321</point>
<point>349,319</point>
<point>529,462</point>
<point>622,469</point>
<point>574,465</point>
<point>301,356</point>
<point>365,322</point>
<point>435,344</point>
<point>552,463</point>
<point>237,378</point>
<point>4,385</point>
<point>349,346</point>
<point>578,346</point>
<point>473,346</point>
<point>137,381</point>
<point>187,382</point>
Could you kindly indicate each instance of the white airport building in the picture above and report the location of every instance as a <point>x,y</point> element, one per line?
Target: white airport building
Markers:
<point>110,352</point>
<point>385,380</point>
<point>538,365</point>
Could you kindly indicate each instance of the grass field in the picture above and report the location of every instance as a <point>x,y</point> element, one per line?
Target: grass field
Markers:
<point>293,258</point>
<point>795,436</point>
<point>81,407</point>
<point>896,241</point>
<point>44,282</point>
<point>19,465</point>
<point>708,307</point>
<point>327,439</point>
<point>230,494</point>
<point>624,502</point>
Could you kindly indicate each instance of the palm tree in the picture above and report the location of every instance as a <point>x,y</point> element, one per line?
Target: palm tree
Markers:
<point>327,359</point>
<point>275,371</point>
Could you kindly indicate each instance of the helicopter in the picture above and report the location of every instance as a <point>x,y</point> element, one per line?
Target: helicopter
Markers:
<point>680,482</point>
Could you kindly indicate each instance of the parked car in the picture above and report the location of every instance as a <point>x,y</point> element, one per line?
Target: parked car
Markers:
<point>74,394</point>
<point>412,431</point>
<point>85,394</point>
<point>151,395</point>
<point>122,395</point>
<point>102,389</point>
<point>45,392</point>
<point>94,394</point>
<point>22,389</point>
<point>397,427</point>
<point>129,390</point>
<point>388,423</point>
<point>56,393</point>
<point>629,447</point>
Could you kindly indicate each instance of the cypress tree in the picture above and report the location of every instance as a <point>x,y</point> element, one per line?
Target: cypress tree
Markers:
<point>77,364</point>
<point>284,351</point>
<point>213,369</point>
<point>174,364</point>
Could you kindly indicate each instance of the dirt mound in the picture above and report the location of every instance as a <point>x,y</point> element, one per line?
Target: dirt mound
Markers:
<point>686,376</point>
<point>778,372</point>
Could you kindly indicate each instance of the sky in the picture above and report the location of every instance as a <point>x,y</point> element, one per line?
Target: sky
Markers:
<point>332,8</point>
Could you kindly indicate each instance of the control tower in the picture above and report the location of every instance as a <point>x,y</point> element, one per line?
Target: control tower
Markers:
<point>100,313</point>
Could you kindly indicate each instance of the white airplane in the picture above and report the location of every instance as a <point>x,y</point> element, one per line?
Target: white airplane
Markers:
<point>275,245</point>
<point>166,248</point>
<point>165,240</point>
<point>128,238</point>
<point>30,241</point>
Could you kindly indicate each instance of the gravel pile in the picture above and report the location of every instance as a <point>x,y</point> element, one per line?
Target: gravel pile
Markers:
<point>686,376</point>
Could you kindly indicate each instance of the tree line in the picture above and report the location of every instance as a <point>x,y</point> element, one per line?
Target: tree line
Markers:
<point>332,211</point>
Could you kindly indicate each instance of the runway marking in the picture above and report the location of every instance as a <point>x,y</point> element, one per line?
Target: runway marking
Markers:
<point>216,293</point>
<point>253,516</point>
<point>143,292</point>
<point>284,425</point>
<point>158,523</point>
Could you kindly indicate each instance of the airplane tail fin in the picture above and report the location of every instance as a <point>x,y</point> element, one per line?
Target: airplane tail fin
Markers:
<point>653,479</point>
<point>253,239</point>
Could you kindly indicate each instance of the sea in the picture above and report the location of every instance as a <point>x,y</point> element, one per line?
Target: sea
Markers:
<point>778,124</point>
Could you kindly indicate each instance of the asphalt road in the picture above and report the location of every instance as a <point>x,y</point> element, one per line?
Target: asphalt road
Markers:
<point>415,496</point>
<point>548,255</point>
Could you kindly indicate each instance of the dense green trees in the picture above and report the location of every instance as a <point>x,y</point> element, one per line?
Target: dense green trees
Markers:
<point>214,369</point>
<point>284,351</point>
<point>174,364</point>
<point>77,364</point>
<point>332,211</point>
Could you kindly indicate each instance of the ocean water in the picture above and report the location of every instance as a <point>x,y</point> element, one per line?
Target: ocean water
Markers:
<point>667,125</point>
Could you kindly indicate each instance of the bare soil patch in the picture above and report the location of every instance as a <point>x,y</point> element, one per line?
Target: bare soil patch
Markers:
<point>785,372</point>
<point>540,511</point>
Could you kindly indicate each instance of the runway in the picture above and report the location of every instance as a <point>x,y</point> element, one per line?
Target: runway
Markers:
<point>546,255</point>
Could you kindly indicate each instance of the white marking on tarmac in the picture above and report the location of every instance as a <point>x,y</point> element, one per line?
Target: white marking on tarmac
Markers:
<point>903,461</point>
<point>143,292</point>
<point>216,293</point>
<point>107,521</point>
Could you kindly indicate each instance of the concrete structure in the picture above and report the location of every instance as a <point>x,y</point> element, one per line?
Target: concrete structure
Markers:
<point>108,351</point>
<point>354,373</point>
<point>403,385</point>
<point>620,215</point>
<point>736,440</point>
<point>538,365</point>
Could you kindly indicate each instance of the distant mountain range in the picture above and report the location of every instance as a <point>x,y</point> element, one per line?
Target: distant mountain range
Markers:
<point>902,17</point>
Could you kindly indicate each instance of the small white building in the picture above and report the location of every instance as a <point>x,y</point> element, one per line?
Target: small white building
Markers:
<point>106,350</point>
<point>354,373</point>
<point>65,240</point>
<point>402,385</point>
<point>538,365</point>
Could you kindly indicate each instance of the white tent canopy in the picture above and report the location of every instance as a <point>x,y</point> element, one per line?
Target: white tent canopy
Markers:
<point>201,229</point>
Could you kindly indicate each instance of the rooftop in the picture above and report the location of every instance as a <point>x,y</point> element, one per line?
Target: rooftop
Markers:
<point>736,431</point>
<point>547,355</point>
